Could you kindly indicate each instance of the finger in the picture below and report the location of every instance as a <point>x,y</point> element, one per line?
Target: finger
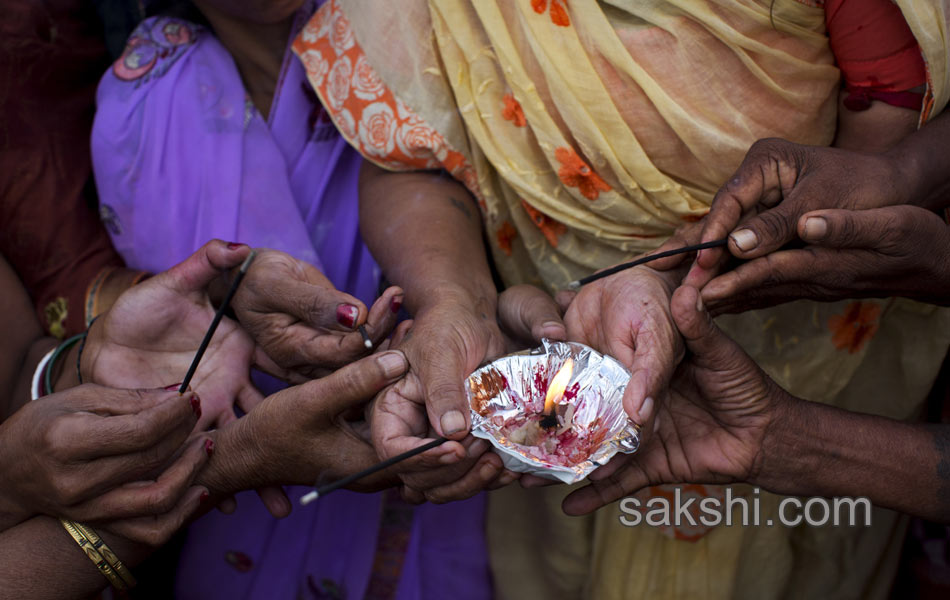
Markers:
<point>780,277</point>
<point>564,299</point>
<point>319,306</point>
<point>275,501</point>
<point>108,401</point>
<point>478,478</point>
<point>711,348</point>
<point>142,498</point>
<point>651,371</point>
<point>533,481</point>
<point>196,272</point>
<point>609,489</point>
<point>248,397</point>
<point>837,228</point>
<point>383,314</point>
<point>357,383</point>
<point>505,478</point>
<point>445,398</point>
<point>766,232</point>
<point>762,178</point>
<point>227,505</point>
<point>93,437</point>
<point>156,530</point>
<point>450,468</point>
<point>400,333</point>
<point>527,313</point>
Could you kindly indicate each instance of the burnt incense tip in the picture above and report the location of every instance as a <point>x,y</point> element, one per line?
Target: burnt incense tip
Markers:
<point>548,421</point>
<point>309,497</point>
<point>574,285</point>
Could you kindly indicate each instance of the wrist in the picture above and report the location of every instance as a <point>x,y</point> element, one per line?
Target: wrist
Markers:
<point>86,360</point>
<point>475,297</point>
<point>785,454</point>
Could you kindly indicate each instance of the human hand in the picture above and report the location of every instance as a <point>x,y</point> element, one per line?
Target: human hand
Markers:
<point>892,251</point>
<point>301,321</point>
<point>304,432</point>
<point>627,316</point>
<point>149,338</point>
<point>710,424</point>
<point>778,182</point>
<point>457,469</point>
<point>93,453</point>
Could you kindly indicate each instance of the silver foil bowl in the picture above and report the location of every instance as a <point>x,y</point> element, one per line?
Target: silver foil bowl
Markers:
<point>507,396</point>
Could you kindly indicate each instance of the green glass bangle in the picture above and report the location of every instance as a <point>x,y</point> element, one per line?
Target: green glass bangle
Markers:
<point>48,376</point>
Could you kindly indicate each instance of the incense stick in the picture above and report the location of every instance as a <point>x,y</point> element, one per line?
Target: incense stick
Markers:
<point>326,489</point>
<point>622,267</point>
<point>368,343</point>
<point>214,322</point>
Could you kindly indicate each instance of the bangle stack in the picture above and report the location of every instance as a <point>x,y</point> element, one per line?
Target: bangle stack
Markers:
<point>101,555</point>
<point>48,376</point>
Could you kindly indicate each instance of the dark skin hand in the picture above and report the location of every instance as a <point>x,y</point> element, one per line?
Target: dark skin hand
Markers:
<point>93,453</point>
<point>305,432</point>
<point>723,420</point>
<point>883,252</point>
<point>300,319</point>
<point>780,181</point>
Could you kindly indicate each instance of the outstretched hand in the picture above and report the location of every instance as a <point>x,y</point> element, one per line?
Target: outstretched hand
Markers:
<point>149,338</point>
<point>709,425</point>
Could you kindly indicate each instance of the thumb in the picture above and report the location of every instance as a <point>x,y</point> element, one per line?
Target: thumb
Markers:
<point>197,271</point>
<point>529,313</point>
<point>711,348</point>
<point>357,383</point>
<point>839,228</point>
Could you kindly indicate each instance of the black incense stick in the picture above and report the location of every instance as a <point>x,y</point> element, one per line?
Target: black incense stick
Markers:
<point>323,490</point>
<point>214,322</point>
<point>622,267</point>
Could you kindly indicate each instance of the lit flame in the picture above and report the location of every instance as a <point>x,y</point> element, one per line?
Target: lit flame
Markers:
<point>558,385</point>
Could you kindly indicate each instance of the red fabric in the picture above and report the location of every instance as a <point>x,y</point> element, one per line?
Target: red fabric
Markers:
<point>51,58</point>
<point>876,52</point>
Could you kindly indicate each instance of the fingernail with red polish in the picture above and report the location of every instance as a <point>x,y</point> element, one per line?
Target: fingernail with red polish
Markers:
<point>209,447</point>
<point>234,245</point>
<point>346,315</point>
<point>203,498</point>
<point>196,405</point>
<point>173,388</point>
<point>395,304</point>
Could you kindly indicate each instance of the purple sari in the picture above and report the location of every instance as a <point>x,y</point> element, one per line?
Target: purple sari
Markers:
<point>181,156</point>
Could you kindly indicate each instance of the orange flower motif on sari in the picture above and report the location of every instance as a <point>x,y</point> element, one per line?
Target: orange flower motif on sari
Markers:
<point>855,327</point>
<point>549,227</point>
<point>505,234</point>
<point>558,11</point>
<point>512,111</point>
<point>574,172</point>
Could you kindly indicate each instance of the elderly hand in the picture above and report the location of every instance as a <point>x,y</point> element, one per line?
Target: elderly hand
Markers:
<point>627,316</point>
<point>710,425</point>
<point>301,321</point>
<point>93,453</point>
<point>891,251</point>
<point>305,432</point>
<point>149,338</point>
<point>456,469</point>
<point>778,182</point>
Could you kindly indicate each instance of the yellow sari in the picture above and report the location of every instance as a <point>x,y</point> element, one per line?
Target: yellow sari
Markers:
<point>588,131</point>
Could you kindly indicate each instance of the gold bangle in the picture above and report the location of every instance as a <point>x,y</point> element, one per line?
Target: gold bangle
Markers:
<point>99,544</point>
<point>94,555</point>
